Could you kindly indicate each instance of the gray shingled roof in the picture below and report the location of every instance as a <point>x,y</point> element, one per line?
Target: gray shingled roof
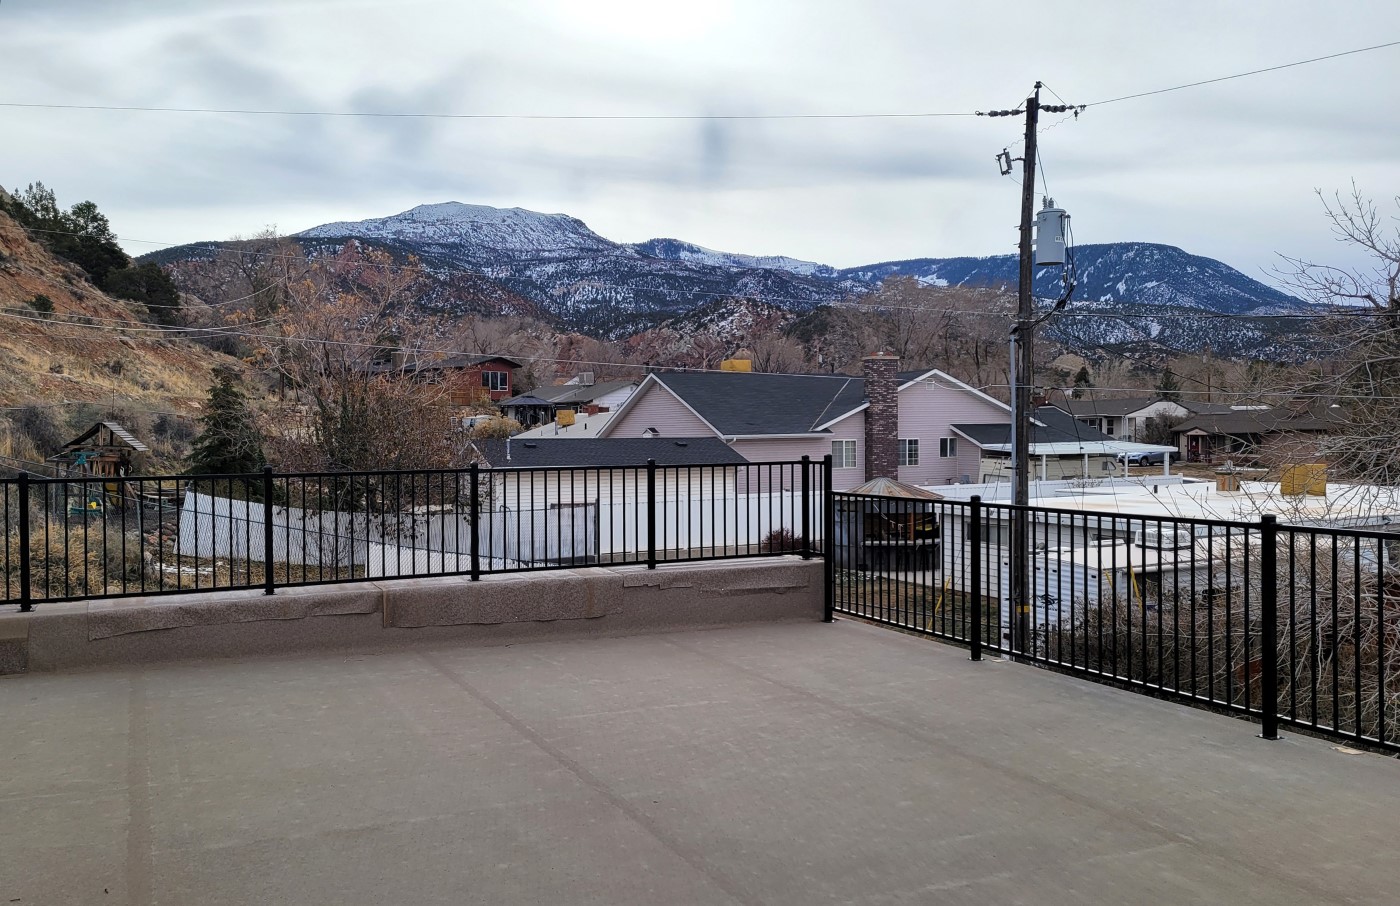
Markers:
<point>1053,426</point>
<point>1259,421</point>
<point>1120,406</point>
<point>562,452</point>
<point>566,394</point>
<point>746,404</point>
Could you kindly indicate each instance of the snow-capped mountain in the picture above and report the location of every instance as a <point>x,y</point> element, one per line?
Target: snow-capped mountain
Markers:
<point>476,234</point>
<point>1142,273</point>
<point>589,283</point>
<point>582,281</point>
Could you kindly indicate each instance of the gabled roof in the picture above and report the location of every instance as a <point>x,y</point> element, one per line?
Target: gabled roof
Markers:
<point>1121,406</point>
<point>467,361</point>
<point>1049,425</point>
<point>743,404</point>
<point>562,452</point>
<point>753,404</point>
<point>118,432</point>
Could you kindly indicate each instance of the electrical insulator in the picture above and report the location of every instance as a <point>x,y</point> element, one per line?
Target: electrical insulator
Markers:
<point>1051,227</point>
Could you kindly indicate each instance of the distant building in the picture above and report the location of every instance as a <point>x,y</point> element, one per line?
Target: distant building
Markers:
<point>1125,417</point>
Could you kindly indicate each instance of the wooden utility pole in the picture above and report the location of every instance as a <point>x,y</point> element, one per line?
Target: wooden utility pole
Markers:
<point>1023,369</point>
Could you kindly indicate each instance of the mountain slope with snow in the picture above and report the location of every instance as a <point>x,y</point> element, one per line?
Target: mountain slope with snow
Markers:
<point>585,282</point>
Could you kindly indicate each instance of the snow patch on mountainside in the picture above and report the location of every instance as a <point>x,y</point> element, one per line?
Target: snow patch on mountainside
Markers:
<point>676,250</point>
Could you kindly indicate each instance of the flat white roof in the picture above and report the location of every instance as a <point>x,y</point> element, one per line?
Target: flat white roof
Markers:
<point>1344,504</point>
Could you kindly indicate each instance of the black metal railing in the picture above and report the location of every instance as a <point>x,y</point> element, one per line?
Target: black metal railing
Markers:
<point>1291,625</point>
<point>79,537</point>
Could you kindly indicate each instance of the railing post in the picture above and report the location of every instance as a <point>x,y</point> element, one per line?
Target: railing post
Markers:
<point>806,508</point>
<point>1268,605</point>
<point>828,542</point>
<point>26,600</point>
<point>651,514</point>
<point>269,582</point>
<point>475,510</point>
<point>974,540</point>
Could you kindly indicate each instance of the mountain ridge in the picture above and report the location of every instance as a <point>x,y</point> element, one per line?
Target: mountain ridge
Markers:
<point>583,281</point>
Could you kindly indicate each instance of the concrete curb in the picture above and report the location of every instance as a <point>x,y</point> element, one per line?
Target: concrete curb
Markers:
<point>499,608</point>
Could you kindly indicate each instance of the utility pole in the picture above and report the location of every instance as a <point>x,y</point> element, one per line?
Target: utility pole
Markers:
<point>1023,371</point>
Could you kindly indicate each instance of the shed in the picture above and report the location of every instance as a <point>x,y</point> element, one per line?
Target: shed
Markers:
<point>105,449</point>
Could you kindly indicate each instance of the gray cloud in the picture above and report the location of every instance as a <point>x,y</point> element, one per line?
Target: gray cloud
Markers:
<point>1226,170</point>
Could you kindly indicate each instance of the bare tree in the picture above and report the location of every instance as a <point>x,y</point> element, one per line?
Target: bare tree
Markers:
<point>365,396</point>
<point>1363,394</point>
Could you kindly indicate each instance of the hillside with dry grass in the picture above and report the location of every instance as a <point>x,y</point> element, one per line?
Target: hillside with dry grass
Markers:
<point>76,352</point>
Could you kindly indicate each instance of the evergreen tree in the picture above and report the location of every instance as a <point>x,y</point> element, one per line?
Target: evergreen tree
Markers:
<point>149,284</point>
<point>1082,381</point>
<point>228,442</point>
<point>82,234</point>
<point>1169,387</point>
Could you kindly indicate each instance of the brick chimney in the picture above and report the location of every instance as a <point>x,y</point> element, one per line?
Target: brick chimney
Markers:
<point>882,418</point>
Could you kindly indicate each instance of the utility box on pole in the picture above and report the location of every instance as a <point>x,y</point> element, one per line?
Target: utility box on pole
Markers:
<point>1051,234</point>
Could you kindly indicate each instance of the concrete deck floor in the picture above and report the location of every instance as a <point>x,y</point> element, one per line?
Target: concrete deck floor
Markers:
<point>784,763</point>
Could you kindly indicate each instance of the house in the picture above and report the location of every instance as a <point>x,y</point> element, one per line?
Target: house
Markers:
<point>886,423</point>
<point>579,397</point>
<point>468,379</point>
<point>1270,435</point>
<point>1061,446</point>
<point>473,379</point>
<point>1125,418</point>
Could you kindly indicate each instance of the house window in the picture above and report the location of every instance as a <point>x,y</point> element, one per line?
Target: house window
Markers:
<point>908,452</point>
<point>843,454</point>
<point>948,447</point>
<point>495,380</point>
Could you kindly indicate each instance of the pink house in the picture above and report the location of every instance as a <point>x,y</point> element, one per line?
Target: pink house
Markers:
<point>885,424</point>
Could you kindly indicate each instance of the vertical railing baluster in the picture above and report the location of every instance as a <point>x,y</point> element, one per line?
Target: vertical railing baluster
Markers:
<point>828,542</point>
<point>26,599</point>
<point>269,581</point>
<point>974,531</point>
<point>651,514</point>
<point>1268,606</point>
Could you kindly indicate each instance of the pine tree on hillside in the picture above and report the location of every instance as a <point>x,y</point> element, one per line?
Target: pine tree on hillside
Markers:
<point>1169,387</point>
<point>229,442</point>
<point>149,284</point>
<point>1083,381</point>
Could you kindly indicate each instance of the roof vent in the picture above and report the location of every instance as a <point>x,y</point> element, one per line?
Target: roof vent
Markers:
<point>681,443</point>
<point>530,446</point>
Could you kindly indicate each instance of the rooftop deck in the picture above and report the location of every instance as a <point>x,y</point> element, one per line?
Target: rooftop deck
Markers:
<point>781,763</point>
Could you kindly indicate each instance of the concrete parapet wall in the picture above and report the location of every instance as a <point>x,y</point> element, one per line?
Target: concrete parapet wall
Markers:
<point>499,608</point>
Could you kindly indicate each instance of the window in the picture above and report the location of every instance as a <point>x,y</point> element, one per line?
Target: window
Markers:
<point>843,454</point>
<point>948,447</point>
<point>495,380</point>
<point>908,452</point>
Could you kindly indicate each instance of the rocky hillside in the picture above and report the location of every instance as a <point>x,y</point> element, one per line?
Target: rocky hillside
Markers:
<point>66,341</point>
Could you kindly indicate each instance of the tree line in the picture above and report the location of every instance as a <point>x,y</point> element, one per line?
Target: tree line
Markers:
<point>83,235</point>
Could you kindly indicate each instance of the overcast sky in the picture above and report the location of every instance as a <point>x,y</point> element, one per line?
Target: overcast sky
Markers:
<point>1226,170</point>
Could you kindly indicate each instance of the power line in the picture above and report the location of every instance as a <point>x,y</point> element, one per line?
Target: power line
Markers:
<point>642,117</point>
<point>376,114</point>
<point>1241,75</point>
